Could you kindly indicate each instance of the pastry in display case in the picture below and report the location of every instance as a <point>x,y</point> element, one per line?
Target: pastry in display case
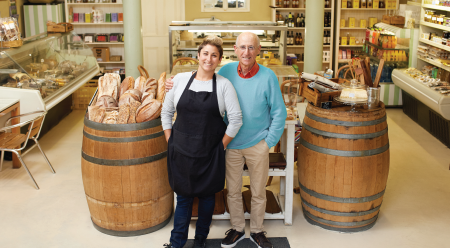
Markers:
<point>55,65</point>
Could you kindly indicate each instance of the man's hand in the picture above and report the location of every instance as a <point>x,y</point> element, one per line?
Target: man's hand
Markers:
<point>169,83</point>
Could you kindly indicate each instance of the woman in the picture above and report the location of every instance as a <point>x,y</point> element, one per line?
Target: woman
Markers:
<point>198,139</point>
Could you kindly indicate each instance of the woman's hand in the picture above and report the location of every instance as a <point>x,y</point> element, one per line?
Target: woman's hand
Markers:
<point>169,84</point>
<point>167,133</point>
<point>226,140</point>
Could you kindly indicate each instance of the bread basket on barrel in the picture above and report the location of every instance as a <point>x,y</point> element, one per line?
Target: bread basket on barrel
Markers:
<point>124,156</point>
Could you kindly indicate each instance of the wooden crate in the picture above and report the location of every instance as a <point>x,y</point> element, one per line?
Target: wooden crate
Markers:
<point>82,96</point>
<point>62,27</point>
<point>15,43</point>
<point>316,98</point>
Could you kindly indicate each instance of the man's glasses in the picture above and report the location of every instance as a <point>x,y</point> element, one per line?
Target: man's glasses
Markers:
<point>250,48</point>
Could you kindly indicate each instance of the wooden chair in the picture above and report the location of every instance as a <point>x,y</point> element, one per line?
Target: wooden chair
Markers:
<point>185,61</point>
<point>10,141</point>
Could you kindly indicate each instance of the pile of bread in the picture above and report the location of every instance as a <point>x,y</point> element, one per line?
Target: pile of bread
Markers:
<point>132,101</point>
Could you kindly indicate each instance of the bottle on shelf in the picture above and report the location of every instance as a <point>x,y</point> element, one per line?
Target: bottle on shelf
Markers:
<point>301,4</point>
<point>302,23</point>
<point>301,40</point>
<point>297,39</point>
<point>324,37</point>
<point>382,5</point>
<point>369,4</point>
<point>363,4</point>
<point>327,4</point>
<point>349,4</point>
<point>329,38</point>
<point>286,21</point>
<point>297,20</point>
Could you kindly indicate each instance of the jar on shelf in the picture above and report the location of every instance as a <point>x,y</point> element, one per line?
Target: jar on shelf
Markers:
<point>440,19</point>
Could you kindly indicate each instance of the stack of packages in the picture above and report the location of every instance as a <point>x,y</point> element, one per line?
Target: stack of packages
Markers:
<point>133,101</point>
<point>9,29</point>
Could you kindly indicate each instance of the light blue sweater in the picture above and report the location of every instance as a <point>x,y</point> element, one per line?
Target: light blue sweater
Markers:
<point>263,110</point>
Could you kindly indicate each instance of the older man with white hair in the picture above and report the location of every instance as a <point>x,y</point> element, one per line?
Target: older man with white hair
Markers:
<point>264,116</point>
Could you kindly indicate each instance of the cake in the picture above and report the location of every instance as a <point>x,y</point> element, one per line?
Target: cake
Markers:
<point>354,95</point>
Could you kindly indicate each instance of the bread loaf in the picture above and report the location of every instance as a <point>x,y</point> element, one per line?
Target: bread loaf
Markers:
<point>148,94</point>
<point>92,110</point>
<point>149,110</point>
<point>127,84</point>
<point>161,91</point>
<point>109,85</point>
<point>133,109</point>
<point>151,82</point>
<point>124,114</point>
<point>111,117</point>
<point>99,115</point>
<point>139,83</point>
<point>106,101</point>
<point>128,98</point>
<point>136,92</point>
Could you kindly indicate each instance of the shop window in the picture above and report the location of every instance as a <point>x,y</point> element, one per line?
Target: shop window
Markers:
<point>225,5</point>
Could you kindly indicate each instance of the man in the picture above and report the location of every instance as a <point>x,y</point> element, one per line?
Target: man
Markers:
<point>264,116</point>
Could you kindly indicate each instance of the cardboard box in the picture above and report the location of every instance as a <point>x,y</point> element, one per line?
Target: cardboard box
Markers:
<point>343,41</point>
<point>101,54</point>
<point>342,23</point>
<point>344,4</point>
<point>351,22</point>
<point>356,4</point>
<point>352,41</point>
<point>60,28</point>
<point>340,54</point>
<point>344,54</point>
<point>115,58</point>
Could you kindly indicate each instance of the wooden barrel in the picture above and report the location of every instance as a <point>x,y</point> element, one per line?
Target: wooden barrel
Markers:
<point>343,166</point>
<point>124,168</point>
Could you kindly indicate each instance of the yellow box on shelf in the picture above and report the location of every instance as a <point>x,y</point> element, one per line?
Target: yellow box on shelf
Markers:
<point>363,23</point>
<point>352,41</point>
<point>351,22</point>
<point>342,23</point>
<point>344,41</point>
<point>344,4</point>
<point>376,4</point>
<point>356,4</point>
<point>372,21</point>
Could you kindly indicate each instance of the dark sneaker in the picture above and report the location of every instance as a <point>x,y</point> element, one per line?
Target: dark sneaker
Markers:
<point>169,245</point>
<point>232,238</point>
<point>199,241</point>
<point>260,240</point>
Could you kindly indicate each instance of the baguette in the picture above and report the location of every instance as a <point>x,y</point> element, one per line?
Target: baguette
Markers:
<point>149,110</point>
<point>139,83</point>
<point>128,98</point>
<point>92,110</point>
<point>161,91</point>
<point>124,114</point>
<point>133,110</point>
<point>148,94</point>
<point>111,117</point>
<point>99,115</point>
<point>127,84</point>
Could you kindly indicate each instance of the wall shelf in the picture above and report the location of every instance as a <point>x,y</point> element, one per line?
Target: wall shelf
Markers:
<point>437,26</point>
<point>431,43</point>
<point>436,7</point>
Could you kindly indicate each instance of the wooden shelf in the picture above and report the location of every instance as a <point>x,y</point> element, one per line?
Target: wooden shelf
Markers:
<point>112,62</point>
<point>441,27</point>
<point>436,63</point>
<point>351,46</point>
<point>414,3</point>
<point>287,9</point>
<point>344,60</point>
<point>75,4</point>
<point>436,7</point>
<point>106,43</point>
<point>295,46</point>
<point>353,28</point>
<point>97,24</point>
<point>431,43</point>
<point>353,9</point>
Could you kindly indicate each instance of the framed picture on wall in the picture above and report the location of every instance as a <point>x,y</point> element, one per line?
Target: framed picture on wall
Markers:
<point>225,5</point>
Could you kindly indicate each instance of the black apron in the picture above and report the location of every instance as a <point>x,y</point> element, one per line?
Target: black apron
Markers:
<point>196,156</point>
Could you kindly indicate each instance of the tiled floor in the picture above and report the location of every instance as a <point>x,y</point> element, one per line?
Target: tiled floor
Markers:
<point>415,211</point>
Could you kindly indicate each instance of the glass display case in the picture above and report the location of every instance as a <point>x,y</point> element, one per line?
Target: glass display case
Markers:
<point>185,37</point>
<point>55,65</point>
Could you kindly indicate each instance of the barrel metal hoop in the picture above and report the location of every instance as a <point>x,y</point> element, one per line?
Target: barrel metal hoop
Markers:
<point>338,223</point>
<point>122,127</point>
<point>345,230</point>
<point>341,153</point>
<point>340,199</point>
<point>123,140</point>
<point>344,136</point>
<point>335,213</point>
<point>346,123</point>
<point>135,161</point>
<point>133,233</point>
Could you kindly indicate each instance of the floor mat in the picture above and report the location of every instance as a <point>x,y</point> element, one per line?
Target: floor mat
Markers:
<point>246,243</point>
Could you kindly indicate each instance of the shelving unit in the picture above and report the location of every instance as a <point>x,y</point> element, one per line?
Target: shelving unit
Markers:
<point>427,27</point>
<point>115,48</point>
<point>296,49</point>
<point>357,32</point>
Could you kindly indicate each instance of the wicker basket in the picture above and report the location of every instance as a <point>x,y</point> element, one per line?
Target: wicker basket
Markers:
<point>82,97</point>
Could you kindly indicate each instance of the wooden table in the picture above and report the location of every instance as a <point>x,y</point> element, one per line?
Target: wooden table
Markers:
<point>12,106</point>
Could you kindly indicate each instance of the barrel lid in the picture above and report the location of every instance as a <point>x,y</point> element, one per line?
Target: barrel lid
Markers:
<point>122,127</point>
